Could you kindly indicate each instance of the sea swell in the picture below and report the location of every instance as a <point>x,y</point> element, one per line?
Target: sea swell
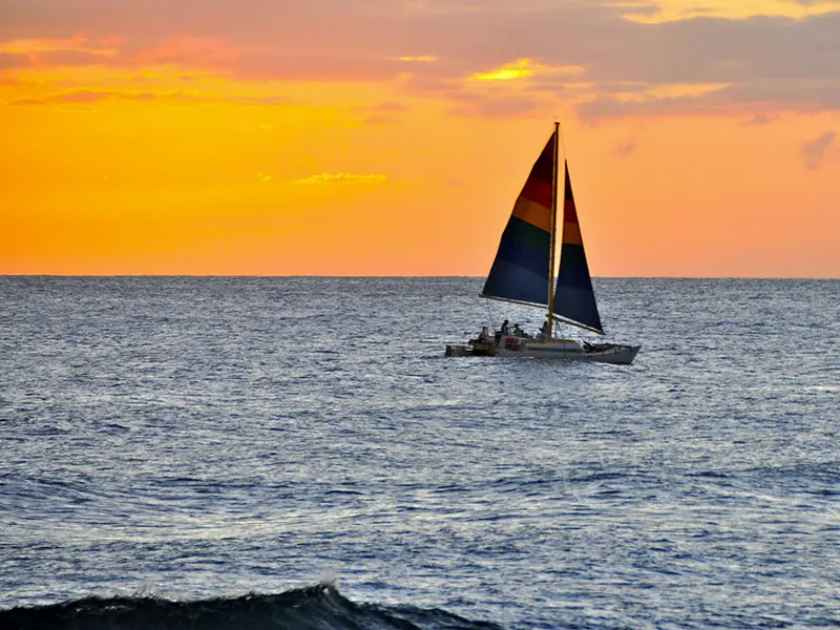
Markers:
<point>321,607</point>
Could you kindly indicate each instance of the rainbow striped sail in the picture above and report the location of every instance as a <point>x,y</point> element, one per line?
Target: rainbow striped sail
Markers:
<point>523,268</point>
<point>520,270</point>
<point>574,299</point>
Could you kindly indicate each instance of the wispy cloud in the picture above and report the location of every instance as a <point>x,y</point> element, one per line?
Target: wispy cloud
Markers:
<point>416,58</point>
<point>81,97</point>
<point>523,68</point>
<point>384,112</point>
<point>814,151</point>
<point>321,179</point>
<point>659,11</point>
<point>759,119</point>
<point>640,99</point>
<point>518,69</point>
<point>34,46</point>
<point>625,149</point>
<point>200,51</point>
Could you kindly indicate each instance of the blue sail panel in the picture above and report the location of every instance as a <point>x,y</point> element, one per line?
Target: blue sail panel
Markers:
<point>574,298</point>
<point>520,271</point>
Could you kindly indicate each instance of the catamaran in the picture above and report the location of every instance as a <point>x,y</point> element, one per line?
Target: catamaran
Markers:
<point>523,273</point>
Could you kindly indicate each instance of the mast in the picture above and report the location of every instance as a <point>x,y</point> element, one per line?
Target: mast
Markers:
<point>553,229</point>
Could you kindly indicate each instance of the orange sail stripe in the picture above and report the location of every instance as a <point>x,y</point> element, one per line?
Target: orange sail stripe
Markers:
<point>536,214</point>
<point>571,233</point>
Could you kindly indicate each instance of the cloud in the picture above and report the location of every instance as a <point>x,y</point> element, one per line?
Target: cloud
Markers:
<point>518,69</point>
<point>384,112</point>
<point>524,68</point>
<point>387,107</point>
<point>494,105</point>
<point>84,97</point>
<point>785,57</point>
<point>770,97</point>
<point>9,61</point>
<point>192,51</point>
<point>625,149</point>
<point>34,46</point>
<point>48,51</point>
<point>322,179</point>
<point>416,58</point>
<point>759,119</point>
<point>659,11</point>
<point>627,99</point>
<point>814,151</point>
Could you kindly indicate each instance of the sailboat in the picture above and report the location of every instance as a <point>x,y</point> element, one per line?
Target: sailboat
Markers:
<point>523,273</point>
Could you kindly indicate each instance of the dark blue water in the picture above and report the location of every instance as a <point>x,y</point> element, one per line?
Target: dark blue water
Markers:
<point>170,445</point>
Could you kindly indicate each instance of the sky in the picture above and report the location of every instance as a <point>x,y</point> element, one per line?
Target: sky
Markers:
<point>351,137</point>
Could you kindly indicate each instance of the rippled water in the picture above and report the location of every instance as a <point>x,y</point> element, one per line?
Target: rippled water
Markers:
<point>200,438</point>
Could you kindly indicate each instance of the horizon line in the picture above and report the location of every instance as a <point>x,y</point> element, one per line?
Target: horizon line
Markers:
<point>389,276</point>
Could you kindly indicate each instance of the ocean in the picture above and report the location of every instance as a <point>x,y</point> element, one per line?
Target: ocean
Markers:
<point>184,452</point>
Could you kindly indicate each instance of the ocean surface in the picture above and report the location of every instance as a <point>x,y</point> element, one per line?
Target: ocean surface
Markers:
<point>297,453</point>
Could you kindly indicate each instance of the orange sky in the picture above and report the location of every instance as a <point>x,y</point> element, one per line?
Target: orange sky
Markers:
<point>389,138</point>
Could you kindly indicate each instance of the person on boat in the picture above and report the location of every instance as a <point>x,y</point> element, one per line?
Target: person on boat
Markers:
<point>544,330</point>
<point>505,328</point>
<point>497,335</point>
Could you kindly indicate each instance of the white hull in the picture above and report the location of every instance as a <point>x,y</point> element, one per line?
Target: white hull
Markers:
<point>562,349</point>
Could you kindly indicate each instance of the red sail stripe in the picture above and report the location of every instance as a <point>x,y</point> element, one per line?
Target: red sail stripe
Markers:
<point>538,191</point>
<point>569,208</point>
<point>570,211</point>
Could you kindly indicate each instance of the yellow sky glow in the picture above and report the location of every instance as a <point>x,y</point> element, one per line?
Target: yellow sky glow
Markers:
<point>518,69</point>
<point>418,58</point>
<point>524,68</point>
<point>673,10</point>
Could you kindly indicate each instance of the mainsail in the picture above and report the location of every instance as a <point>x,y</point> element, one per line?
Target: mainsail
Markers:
<point>520,270</point>
<point>574,299</point>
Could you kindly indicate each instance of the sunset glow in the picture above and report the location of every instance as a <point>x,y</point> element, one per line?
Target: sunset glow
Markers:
<point>673,10</point>
<point>393,138</point>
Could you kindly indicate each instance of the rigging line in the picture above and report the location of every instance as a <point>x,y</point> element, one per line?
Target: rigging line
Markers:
<point>489,314</point>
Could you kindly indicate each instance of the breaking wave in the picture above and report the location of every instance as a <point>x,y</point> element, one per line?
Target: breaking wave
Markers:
<point>320,607</point>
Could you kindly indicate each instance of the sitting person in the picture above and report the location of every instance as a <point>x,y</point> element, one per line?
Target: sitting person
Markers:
<point>505,330</point>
